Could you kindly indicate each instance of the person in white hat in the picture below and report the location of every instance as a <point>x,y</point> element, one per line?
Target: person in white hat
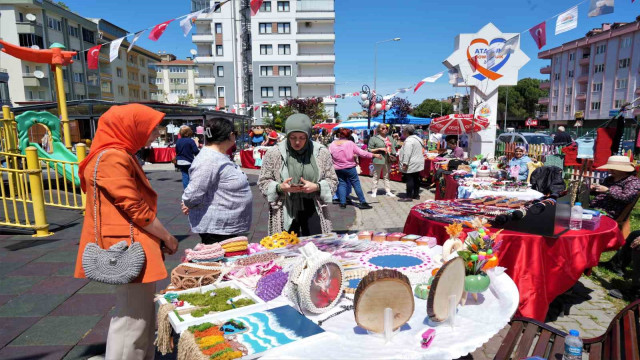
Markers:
<point>561,137</point>
<point>619,189</point>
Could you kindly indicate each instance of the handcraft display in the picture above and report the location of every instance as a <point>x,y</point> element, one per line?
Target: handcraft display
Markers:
<point>448,281</point>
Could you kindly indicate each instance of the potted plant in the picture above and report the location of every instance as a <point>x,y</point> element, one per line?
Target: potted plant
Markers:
<point>497,185</point>
<point>523,186</point>
<point>510,186</point>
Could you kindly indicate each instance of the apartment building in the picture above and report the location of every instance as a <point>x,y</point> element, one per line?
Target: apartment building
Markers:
<point>176,82</point>
<point>592,77</point>
<point>285,51</point>
<point>131,77</point>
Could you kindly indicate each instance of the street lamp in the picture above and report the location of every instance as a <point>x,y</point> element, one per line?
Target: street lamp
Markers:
<point>387,107</point>
<point>375,60</point>
<point>367,98</point>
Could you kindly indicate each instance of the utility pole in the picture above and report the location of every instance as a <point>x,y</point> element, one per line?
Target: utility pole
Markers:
<point>506,105</point>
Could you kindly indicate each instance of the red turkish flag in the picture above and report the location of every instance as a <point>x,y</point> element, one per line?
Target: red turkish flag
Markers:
<point>539,34</point>
<point>158,30</point>
<point>92,57</point>
<point>255,6</point>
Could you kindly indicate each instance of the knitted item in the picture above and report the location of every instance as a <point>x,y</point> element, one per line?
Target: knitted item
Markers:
<point>204,252</point>
<point>236,253</point>
<point>234,240</point>
<point>164,340</point>
<point>257,258</point>
<point>270,286</point>
<point>231,248</point>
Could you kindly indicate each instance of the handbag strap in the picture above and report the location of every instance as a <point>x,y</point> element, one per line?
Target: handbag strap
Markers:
<point>95,202</point>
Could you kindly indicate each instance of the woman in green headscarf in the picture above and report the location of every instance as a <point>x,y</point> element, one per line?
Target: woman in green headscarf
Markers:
<point>299,180</point>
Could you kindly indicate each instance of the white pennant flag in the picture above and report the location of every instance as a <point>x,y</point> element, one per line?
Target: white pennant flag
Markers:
<point>568,20</point>
<point>114,48</point>
<point>186,23</point>
<point>135,38</point>
<point>430,79</point>
<point>511,45</point>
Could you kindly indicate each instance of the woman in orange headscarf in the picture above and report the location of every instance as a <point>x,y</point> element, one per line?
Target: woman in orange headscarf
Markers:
<point>124,199</point>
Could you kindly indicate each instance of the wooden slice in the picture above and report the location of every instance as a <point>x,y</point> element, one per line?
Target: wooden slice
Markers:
<point>449,280</point>
<point>379,290</point>
<point>188,276</point>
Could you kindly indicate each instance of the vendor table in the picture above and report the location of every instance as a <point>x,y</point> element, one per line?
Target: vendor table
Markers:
<point>465,192</point>
<point>450,191</point>
<point>542,267</point>
<point>161,154</point>
<point>395,174</point>
<point>247,160</point>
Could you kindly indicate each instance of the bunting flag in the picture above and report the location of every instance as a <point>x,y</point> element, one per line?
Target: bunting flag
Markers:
<point>92,57</point>
<point>158,30</point>
<point>114,48</point>
<point>135,38</point>
<point>511,45</point>
<point>539,34</point>
<point>568,20</point>
<point>255,6</point>
<point>255,108</point>
<point>474,63</point>
<point>600,7</point>
<point>187,23</point>
<point>430,79</point>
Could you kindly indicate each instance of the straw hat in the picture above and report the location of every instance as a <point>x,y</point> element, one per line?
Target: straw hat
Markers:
<point>621,163</point>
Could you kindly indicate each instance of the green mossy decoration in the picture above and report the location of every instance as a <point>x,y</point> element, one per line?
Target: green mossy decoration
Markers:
<point>216,302</point>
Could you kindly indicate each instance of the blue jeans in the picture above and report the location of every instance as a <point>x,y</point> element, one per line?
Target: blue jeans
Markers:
<point>348,178</point>
<point>348,192</point>
<point>184,169</point>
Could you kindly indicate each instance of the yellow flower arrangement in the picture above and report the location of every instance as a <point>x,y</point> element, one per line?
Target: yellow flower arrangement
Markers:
<point>454,229</point>
<point>279,240</point>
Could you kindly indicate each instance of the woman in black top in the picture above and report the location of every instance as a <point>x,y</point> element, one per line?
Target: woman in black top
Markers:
<point>186,150</point>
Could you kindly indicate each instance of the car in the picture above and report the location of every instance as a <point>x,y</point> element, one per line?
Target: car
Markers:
<point>525,138</point>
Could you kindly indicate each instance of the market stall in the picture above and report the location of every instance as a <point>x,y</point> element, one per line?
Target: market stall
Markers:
<point>395,174</point>
<point>161,154</point>
<point>252,158</point>
<point>473,188</point>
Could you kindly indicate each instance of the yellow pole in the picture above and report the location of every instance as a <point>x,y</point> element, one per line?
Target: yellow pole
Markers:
<point>37,194</point>
<point>62,103</point>
<point>81,153</point>
<point>10,147</point>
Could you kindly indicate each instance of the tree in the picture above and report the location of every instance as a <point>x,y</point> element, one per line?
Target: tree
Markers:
<point>277,116</point>
<point>336,115</point>
<point>63,5</point>
<point>523,99</point>
<point>312,107</point>
<point>189,100</point>
<point>402,108</point>
<point>431,107</point>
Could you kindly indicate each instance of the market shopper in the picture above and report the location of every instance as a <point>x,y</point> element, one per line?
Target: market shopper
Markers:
<point>561,137</point>
<point>186,151</point>
<point>412,162</point>
<point>343,152</point>
<point>218,199</point>
<point>518,164</point>
<point>386,146</point>
<point>298,179</point>
<point>618,189</point>
<point>125,208</point>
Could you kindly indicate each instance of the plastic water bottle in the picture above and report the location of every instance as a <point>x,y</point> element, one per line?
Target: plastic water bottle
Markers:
<point>572,346</point>
<point>576,217</point>
<point>371,168</point>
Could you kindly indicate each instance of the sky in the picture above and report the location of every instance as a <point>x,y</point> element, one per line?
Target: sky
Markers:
<point>427,29</point>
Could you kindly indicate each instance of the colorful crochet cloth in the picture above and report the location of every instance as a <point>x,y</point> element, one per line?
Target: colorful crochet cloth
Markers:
<point>236,253</point>
<point>204,252</point>
<point>235,244</point>
<point>270,286</point>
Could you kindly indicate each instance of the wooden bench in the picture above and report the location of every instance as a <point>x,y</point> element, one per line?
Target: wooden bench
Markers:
<point>528,337</point>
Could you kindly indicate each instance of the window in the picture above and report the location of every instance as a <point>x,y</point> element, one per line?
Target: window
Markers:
<point>554,108</point>
<point>570,73</point>
<point>285,91</point>
<point>220,71</point>
<point>621,84</point>
<point>624,63</point>
<point>121,90</point>
<point>106,86</point>
<point>73,31</point>
<point>20,17</point>
<point>159,81</point>
<point>27,69</point>
<point>144,78</point>
<point>596,87</point>
<point>284,70</point>
<point>266,70</point>
<point>29,40</point>
<point>626,42</point>
<point>77,55</point>
<point>265,28</point>
<point>598,68</point>
<point>178,81</point>
<point>177,69</point>
<point>601,49</point>
<point>220,91</point>
<point>266,6</point>
<point>284,28</point>
<point>266,91</point>
<point>119,72</point>
<point>556,76</point>
<point>595,105</point>
<point>567,108</point>
<point>555,92</point>
<point>144,95</point>
<point>218,28</point>
<point>78,77</point>
<point>266,49</point>
<point>284,49</point>
<point>218,50</point>
<point>572,56</point>
<point>618,103</point>
<point>264,112</point>
<point>88,36</point>
<point>216,6</point>
<point>283,6</point>
<point>569,90</point>
<point>54,24</point>
<point>141,61</point>
<point>120,54</point>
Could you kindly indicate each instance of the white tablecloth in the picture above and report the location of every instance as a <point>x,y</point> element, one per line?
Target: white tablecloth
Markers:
<point>465,192</point>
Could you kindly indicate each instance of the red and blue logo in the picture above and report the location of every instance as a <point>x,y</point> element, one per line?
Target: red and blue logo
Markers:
<point>478,53</point>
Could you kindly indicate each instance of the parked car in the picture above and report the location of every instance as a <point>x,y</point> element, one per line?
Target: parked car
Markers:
<point>525,138</point>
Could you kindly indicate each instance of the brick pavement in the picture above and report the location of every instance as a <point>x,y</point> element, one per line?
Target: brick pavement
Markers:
<point>47,314</point>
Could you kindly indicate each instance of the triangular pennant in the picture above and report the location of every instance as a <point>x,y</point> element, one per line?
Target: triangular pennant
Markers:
<point>158,30</point>
<point>135,38</point>
<point>187,23</point>
<point>429,79</point>
<point>255,6</point>
<point>114,48</point>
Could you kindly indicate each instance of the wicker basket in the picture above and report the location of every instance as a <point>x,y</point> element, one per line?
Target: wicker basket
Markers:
<point>188,276</point>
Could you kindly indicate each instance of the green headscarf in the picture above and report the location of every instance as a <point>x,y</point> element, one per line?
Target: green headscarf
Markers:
<point>300,163</point>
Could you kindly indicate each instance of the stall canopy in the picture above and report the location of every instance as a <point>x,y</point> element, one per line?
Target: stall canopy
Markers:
<point>328,126</point>
<point>392,118</point>
<point>357,124</point>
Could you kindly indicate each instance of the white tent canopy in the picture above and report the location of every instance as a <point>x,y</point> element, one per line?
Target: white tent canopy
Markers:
<point>357,124</point>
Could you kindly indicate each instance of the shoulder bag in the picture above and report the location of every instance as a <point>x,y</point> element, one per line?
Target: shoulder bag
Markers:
<point>121,263</point>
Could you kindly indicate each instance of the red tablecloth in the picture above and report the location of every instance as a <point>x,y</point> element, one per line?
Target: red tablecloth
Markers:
<point>450,191</point>
<point>542,268</point>
<point>161,154</point>
<point>246,159</point>
<point>395,174</point>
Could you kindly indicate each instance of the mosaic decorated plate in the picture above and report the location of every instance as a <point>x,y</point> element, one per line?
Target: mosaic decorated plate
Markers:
<point>397,258</point>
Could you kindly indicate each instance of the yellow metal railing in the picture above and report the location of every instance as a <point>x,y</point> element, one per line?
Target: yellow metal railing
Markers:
<point>60,187</point>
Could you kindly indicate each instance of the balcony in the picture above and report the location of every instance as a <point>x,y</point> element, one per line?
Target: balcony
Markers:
<point>317,5</point>
<point>105,75</point>
<point>30,80</point>
<point>545,85</point>
<point>581,96</point>
<point>104,58</point>
<point>585,60</point>
<point>316,58</point>
<point>208,101</point>
<point>316,79</point>
<point>202,38</point>
<point>583,79</point>
<point>543,101</point>
<point>209,59</point>
<point>315,15</point>
<point>205,79</point>
<point>328,36</point>
<point>29,28</point>
<point>545,70</point>
<point>107,96</point>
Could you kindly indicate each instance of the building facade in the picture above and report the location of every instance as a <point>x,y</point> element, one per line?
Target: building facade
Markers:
<point>285,51</point>
<point>176,82</point>
<point>592,77</point>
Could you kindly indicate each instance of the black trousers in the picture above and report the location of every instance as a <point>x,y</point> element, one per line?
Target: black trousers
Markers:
<point>307,221</point>
<point>413,184</point>
<point>209,239</point>
<point>627,255</point>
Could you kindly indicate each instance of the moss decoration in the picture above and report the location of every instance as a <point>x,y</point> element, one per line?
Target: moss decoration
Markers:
<point>216,302</point>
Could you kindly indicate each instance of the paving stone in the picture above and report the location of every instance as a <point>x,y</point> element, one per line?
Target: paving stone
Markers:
<point>83,352</point>
<point>587,323</point>
<point>94,287</point>
<point>15,285</point>
<point>86,304</point>
<point>37,268</point>
<point>57,330</point>
<point>5,299</point>
<point>31,305</point>
<point>58,285</point>
<point>98,335</point>
<point>68,256</point>
<point>14,326</point>
<point>34,352</point>
<point>8,267</point>
<point>67,270</point>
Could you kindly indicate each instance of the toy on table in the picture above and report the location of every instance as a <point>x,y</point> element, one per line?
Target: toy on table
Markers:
<point>380,236</point>
<point>426,241</point>
<point>395,236</point>
<point>410,238</point>
<point>421,291</point>
<point>365,235</point>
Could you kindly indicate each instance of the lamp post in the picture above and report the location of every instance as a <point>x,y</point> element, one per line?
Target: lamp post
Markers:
<point>375,59</point>
<point>367,98</point>
<point>387,107</point>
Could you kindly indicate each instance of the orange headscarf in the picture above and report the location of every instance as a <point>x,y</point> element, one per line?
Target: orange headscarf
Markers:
<point>124,127</point>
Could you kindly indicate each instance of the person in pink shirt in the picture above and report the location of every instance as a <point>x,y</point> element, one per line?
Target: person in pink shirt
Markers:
<point>343,152</point>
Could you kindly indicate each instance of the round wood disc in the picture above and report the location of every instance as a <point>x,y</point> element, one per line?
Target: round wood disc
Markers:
<point>379,290</point>
<point>449,280</point>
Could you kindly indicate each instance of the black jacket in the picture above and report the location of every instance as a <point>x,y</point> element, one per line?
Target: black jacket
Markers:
<point>548,180</point>
<point>562,138</point>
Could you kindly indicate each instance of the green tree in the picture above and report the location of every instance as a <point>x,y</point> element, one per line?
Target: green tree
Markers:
<point>523,99</point>
<point>277,116</point>
<point>336,115</point>
<point>312,107</point>
<point>432,106</point>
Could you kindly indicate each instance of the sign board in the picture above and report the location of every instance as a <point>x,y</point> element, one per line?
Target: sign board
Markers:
<point>531,122</point>
<point>579,115</point>
<point>613,113</point>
